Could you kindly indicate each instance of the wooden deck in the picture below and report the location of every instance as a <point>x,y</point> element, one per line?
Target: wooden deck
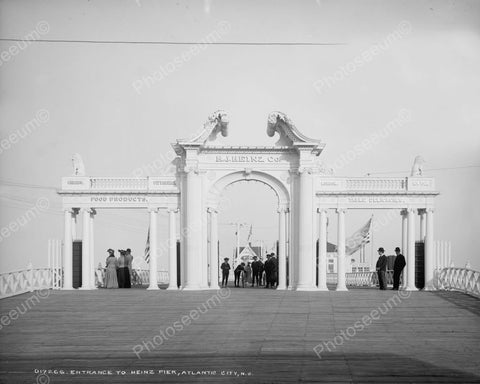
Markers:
<point>267,334</point>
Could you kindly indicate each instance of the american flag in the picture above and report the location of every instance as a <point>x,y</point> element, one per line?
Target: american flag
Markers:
<point>147,247</point>
<point>358,239</point>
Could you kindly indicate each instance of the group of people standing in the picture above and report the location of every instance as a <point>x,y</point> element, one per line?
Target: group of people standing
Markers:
<point>257,272</point>
<point>118,270</point>
<point>398,267</point>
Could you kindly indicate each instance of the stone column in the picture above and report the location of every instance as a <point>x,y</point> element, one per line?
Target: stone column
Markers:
<point>86,279</point>
<point>411,251</point>
<point>290,251</point>
<point>74,223</point>
<point>404,213</point>
<point>153,249</point>
<point>67,250</point>
<point>404,231</point>
<point>282,260</point>
<point>194,231</point>
<point>429,254</point>
<point>322,250</point>
<point>422,213</point>
<point>213,248</point>
<point>305,233</point>
<point>92,267</point>
<point>172,250</point>
<point>341,282</point>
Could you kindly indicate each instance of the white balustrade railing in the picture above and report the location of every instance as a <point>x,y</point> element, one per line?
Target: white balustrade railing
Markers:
<point>374,184</point>
<point>360,279</point>
<point>116,183</point>
<point>28,280</point>
<point>459,279</point>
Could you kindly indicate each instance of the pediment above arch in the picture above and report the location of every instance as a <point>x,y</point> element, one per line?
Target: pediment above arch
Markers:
<point>217,123</point>
<point>289,134</point>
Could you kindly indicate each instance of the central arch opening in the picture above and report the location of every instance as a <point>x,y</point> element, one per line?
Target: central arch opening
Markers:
<point>247,226</point>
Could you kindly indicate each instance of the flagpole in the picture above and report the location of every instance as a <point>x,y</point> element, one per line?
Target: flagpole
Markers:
<point>238,244</point>
<point>371,248</point>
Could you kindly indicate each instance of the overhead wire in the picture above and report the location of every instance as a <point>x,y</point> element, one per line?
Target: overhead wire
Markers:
<point>166,42</point>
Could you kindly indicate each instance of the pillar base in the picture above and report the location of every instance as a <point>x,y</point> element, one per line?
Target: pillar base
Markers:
<point>153,288</point>
<point>341,289</point>
<point>306,288</point>
<point>68,289</point>
<point>85,288</point>
<point>323,289</point>
<point>172,288</point>
<point>193,288</point>
<point>282,288</point>
<point>411,289</point>
<point>213,288</point>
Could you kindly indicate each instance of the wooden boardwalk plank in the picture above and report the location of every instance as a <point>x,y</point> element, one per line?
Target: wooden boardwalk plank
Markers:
<point>425,338</point>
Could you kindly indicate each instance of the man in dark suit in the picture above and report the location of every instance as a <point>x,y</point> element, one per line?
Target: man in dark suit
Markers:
<point>274,271</point>
<point>128,270</point>
<point>238,275</point>
<point>255,267</point>
<point>382,269</point>
<point>269,271</point>
<point>225,271</point>
<point>398,266</point>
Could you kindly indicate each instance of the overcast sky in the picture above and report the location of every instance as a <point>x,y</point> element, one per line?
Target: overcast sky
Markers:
<point>93,99</point>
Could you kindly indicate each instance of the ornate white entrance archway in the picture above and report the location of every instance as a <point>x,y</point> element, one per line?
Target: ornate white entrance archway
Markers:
<point>283,204</point>
<point>290,167</point>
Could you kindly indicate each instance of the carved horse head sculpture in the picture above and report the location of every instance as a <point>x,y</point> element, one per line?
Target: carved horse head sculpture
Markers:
<point>217,123</point>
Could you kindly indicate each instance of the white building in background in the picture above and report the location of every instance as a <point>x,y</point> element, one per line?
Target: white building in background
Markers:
<point>306,195</point>
<point>353,263</point>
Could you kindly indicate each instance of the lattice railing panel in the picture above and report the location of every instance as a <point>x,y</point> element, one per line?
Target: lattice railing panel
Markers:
<point>460,279</point>
<point>18,282</point>
<point>360,279</point>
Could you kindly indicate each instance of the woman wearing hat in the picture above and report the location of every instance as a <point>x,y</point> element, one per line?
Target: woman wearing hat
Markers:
<point>111,271</point>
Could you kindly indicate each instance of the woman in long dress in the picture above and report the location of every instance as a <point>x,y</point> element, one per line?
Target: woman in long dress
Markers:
<point>111,271</point>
